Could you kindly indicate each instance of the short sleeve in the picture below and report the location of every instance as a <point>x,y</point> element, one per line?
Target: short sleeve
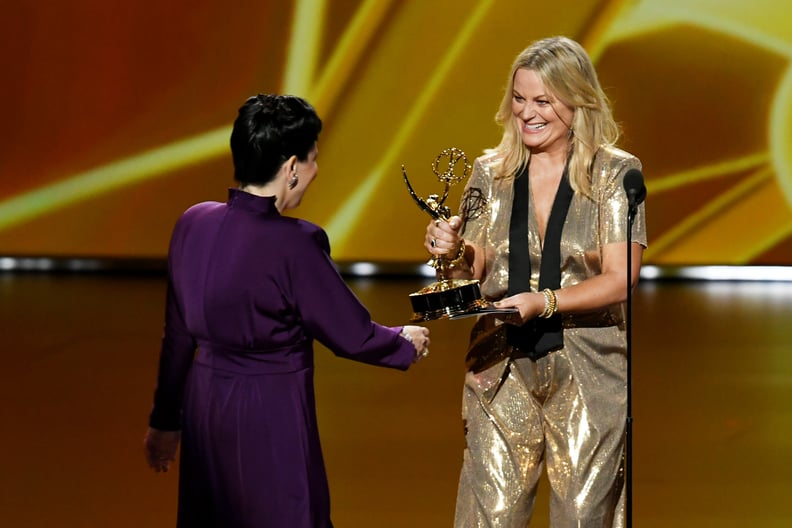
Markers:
<point>613,203</point>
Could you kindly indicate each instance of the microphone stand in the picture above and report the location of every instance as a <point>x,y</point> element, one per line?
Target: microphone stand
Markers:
<point>631,212</point>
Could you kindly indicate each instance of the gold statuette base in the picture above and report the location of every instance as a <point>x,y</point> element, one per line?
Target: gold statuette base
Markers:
<point>455,299</point>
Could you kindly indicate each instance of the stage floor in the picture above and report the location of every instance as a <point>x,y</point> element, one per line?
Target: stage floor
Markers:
<point>712,409</point>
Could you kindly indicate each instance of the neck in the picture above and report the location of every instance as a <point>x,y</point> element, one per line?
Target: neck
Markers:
<point>265,190</point>
<point>548,161</point>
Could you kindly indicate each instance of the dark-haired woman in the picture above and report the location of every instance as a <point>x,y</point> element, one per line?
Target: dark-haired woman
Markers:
<point>250,290</point>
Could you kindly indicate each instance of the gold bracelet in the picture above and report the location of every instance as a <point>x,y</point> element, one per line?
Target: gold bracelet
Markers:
<point>551,304</point>
<point>460,256</point>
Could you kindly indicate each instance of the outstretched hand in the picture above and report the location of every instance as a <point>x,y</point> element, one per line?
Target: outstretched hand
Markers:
<point>529,304</point>
<point>419,337</point>
<point>159,447</point>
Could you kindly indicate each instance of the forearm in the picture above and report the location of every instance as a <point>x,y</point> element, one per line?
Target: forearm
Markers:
<point>605,289</point>
<point>591,295</point>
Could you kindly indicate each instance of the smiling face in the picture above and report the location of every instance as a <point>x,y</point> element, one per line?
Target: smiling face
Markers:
<point>543,121</point>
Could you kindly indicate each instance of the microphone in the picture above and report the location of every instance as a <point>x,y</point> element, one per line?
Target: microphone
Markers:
<point>634,187</point>
<point>636,193</point>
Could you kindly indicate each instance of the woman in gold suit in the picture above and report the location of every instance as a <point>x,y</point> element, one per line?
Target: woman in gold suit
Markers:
<point>543,226</point>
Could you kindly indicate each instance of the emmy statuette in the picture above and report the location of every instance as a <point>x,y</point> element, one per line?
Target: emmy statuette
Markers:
<point>449,298</point>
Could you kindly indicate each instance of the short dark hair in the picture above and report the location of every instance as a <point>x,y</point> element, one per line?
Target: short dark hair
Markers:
<point>269,130</point>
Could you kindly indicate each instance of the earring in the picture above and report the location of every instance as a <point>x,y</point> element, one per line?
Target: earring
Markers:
<point>293,181</point>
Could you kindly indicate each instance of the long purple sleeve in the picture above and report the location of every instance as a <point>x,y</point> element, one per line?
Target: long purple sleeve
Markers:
<point>245,277</point>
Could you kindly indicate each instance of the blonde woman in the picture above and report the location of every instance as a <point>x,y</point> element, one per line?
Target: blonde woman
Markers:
<point>543,227</point>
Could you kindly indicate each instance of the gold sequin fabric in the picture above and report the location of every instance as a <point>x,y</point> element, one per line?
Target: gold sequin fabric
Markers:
<point>567,410</point>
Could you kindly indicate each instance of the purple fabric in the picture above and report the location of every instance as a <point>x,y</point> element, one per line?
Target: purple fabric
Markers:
<point>250,290</point>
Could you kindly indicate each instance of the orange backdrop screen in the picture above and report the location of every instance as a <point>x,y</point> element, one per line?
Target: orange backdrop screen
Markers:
<point>117,115</point>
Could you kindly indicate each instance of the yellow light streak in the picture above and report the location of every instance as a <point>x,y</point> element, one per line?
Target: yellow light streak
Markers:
<point>149,164</point>
<point>594,39</point>
<point>305,39</point>
<point>652,16</point>
<point>781,134</point>
<point>347,52</point>
<point>709,172</point>
<point>765,244</point>
<point>691,222</point>
<point>340,226</point>
<point>303,48</point>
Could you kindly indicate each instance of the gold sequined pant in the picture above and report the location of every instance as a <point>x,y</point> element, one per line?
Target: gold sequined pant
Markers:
<point>566,410</point>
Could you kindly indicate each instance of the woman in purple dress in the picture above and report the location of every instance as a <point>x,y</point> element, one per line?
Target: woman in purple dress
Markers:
<point>250,290</point>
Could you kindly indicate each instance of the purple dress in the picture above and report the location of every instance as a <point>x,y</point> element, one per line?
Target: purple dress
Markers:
<point>250,290</point>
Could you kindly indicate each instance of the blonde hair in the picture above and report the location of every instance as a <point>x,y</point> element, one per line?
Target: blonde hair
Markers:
<point>568,74</point>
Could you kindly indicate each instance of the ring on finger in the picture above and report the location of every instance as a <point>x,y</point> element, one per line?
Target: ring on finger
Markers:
<point>433,242</point>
